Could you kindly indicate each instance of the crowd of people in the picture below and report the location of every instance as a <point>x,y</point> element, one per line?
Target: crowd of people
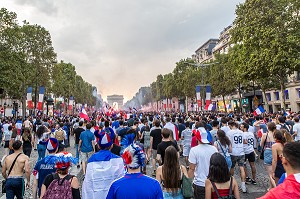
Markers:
<point>113,152</point>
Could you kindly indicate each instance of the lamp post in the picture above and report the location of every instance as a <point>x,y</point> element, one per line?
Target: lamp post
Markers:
<point>4,106</point>
<point>49,102</point>
<point>202,78</point>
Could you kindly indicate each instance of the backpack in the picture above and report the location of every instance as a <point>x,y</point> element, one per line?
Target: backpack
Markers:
<point>59,188</point>
<point>230,195</point>
<point>60,135</point>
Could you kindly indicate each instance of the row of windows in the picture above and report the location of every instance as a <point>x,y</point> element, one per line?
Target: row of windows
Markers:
<point>276,95</point>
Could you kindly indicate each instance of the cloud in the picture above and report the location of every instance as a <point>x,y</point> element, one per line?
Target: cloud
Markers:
<point>118,45</point>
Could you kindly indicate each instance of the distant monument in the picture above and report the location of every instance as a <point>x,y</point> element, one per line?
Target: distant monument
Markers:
<point>113,99</point>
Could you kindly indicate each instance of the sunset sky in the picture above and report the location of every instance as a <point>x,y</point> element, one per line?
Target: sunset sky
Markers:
<point>121,45</point>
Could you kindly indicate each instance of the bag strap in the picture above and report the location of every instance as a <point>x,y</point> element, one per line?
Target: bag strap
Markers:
<point>230,189</point>
<point>13,164</point>
<point>221,148</point>
<point>265,141</point>
<point>215,188</point>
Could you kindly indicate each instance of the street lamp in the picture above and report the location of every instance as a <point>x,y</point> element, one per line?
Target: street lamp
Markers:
<point>4,106</point>
<point>49,102</point>
<point>202,77</point>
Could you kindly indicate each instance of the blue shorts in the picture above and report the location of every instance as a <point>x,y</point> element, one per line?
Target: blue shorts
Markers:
<point>268,157</point>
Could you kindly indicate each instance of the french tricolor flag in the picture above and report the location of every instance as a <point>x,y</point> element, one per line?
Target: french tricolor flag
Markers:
<point>83,114</point>
<point>198,97</point>
<point>259,111</point>
<point>41,98</point>
<point>71,100</point>
<point>208,97</point>
<point>29,98</point>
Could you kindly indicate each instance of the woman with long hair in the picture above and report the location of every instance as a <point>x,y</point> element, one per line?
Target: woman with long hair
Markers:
<point>277,152</point>
<point>223,146</point>
<point>288,137</point>
<point>219,181</point>
<point>266,143</point>
<point>170,174</point>
<point>27,142</point>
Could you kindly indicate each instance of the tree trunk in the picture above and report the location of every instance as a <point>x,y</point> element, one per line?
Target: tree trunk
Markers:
<point>282,88</point>
<point>186,105</point>
<point>23,101</point>
<point>266,102</point>
<point>240,99</point>
<point>223,97</point>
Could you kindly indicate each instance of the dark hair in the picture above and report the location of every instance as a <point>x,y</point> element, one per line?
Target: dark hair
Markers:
<point>17,145</point>
<point>80,123</point>
<point>199,124</point>
<point>106,123</point>
<point>279,136</point>
<point>187,124</point>
<point>166,132</point>
<point>215,123</point>
<point>296,119</point>
<point>61,125</point>
<point>271,126</point>
<point>88,126</point>
<point>171,170</point>
<point>224,140</point>
<point>291,151</point>
<point>40,131</point>
<point>281,119</point>
<point>223,120</point>
<point>121,122</point>
<point>10,127</point>
<point>246,126</point>
<point>232,123</point>
<point>218,169</point>
<point>157,123</point>
<point>147,128</point>
<point>168,119</point>
<point>131,131</point>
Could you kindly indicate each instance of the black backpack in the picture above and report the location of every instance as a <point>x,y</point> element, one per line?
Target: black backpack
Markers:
<point>230,195</point>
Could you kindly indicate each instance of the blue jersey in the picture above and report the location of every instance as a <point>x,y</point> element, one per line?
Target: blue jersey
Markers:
<point>135,186</point>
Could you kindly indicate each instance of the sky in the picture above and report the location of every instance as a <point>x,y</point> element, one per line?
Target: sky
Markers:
<point>121,45</point>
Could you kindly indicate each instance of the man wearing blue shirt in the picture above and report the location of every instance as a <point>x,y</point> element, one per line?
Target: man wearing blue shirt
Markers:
<point>44,167</point>
<point>86,146</point>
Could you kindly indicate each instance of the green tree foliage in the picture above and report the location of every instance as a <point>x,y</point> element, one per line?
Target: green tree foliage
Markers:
<point>269,38</point>
<point>27,58</point>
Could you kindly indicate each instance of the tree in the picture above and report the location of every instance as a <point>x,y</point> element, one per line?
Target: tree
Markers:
<point>222,78</point>
<point>268,34</point>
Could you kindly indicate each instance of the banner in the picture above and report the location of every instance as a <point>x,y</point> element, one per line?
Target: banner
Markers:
<point>198,96</point>
<point>71,101</point>
<point>41,98</point>
<point>208,97</point>
<point>29,98</point>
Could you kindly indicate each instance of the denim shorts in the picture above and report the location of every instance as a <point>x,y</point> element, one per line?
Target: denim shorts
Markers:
<point>169,195</point>
<point>268,157</point>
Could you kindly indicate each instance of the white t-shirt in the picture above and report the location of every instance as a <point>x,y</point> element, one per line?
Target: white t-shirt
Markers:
<point>296,128</point>
<point>236,138</point>
<point>249,148</point>
<point>5,127</point>
<point>226,129</point>
<point>171,126</point>
<point>200,156</point>
<point>187,135</point>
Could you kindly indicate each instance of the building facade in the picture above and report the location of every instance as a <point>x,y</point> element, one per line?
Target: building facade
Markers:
<point>205,52</point>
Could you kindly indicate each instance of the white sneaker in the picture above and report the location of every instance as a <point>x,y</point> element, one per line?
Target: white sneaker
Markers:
<point>244,189</point>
